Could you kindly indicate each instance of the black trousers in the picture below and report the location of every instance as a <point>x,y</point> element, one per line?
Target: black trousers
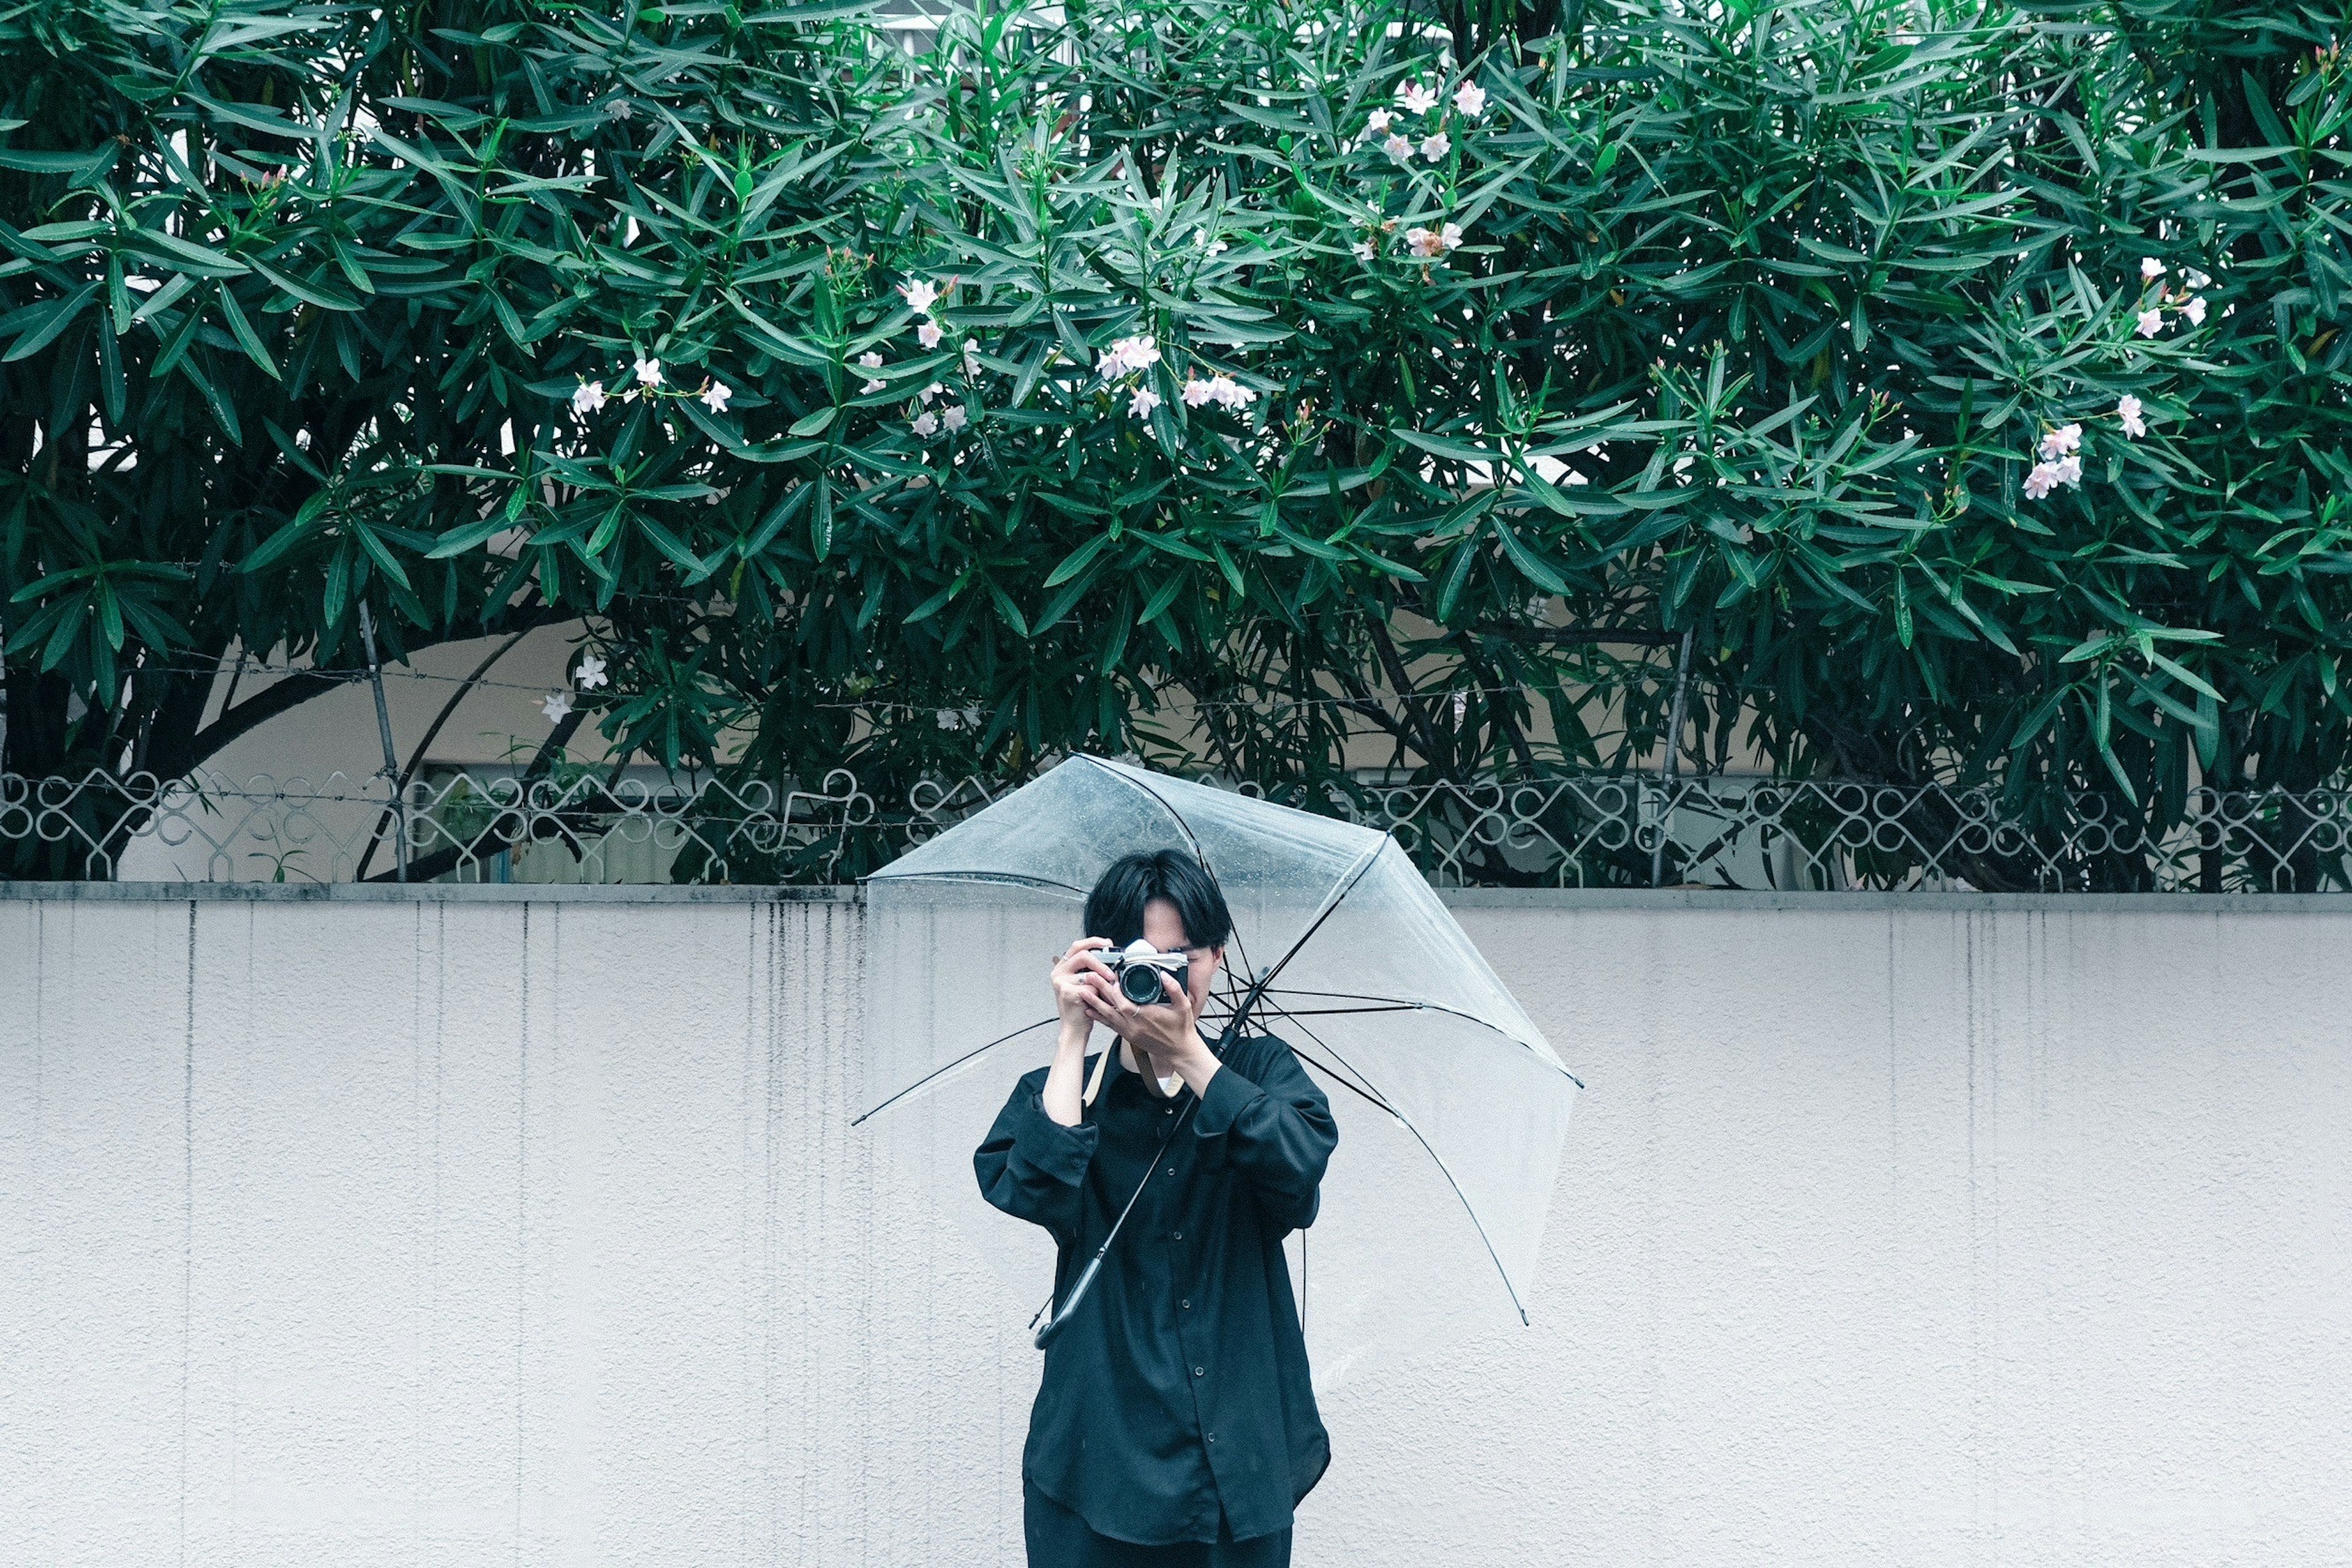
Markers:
<point>1060,1539</point>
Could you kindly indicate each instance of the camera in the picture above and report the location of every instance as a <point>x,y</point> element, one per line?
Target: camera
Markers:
<point>1140,966</point>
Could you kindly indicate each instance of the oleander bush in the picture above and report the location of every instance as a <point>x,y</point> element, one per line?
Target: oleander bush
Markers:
<point>1963,385</point>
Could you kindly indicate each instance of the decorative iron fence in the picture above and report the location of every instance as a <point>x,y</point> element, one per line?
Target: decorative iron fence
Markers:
<point>1567,830</point>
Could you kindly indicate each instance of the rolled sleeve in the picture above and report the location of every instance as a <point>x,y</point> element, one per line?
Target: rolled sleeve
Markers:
<point>1032,1166</point>
<point>1278,1138</point>
<point>1228,1094</point>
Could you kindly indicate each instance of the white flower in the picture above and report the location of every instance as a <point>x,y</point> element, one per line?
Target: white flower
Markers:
<point>1220,389</point>
<point>1217,247</point>
<point>2059,442</point>
<point>1398,148</point>
<point>920,295</point>
<point>2128,411</point>
<point>971,356</point>
<point>1470,98</point>
<point>2068,471</point>
<point>1363,249</point>
<point>649,372</point>
<point>927,425</point>
<point>932,391</point>
<point>2151,322</point>
<point>1141,401</point>
<point>2150,268</point>
<point>1127,355</point>
<point>2195,310</point>
<point>948,719</point>
<point>2195,280</point>
<point>1415,99</point>
<point>591,673</point>
<point>588,397</point>
<point>556,705</point>
<point>871,387</point>
<point>1377,124</point>
<point>2038,482</point>
<point>869,359</point>
<point>1430,245</point>
<point>955,417</point>
<point>715,396</point>
<point>929,333</point>
<point>1435,147</point>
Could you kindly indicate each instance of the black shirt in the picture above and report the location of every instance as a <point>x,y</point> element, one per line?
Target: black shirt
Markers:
<point>1179,1394</point>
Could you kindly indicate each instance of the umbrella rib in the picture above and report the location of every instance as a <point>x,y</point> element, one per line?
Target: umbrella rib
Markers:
<point>1347,885</point>
<point>937,1073</point>
<point>1344,1074</point>
<point>1439,1160</point>
<point>1398,1004</point>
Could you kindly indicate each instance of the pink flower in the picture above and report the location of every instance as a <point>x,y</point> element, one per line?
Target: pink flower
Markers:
<point>1470,98</point>
<point>588,397</point>
<point>872,386</point>
<point>920,295</point>
<point>1222,390</point>
<point>869,361</point>
<point>715,396</point>
<point>929,333</point>
<point>927,425</point>
<point>2068,471</point>
<point>2151,322</point>
<point>1376,122</point>
<point>1435,147</point>
<point>648,373</point>
<point>971,356</point>
<point>2195,310</point>
<point>1431,245</point>
<point>956,417</point>
<point>2038,481</point>
<point>2059,442</point>
<point>1415,99</point>
<point>1363,249</point>
<point>2150,268</point>
<point>1141,401</point>
<point>1127,355</point>
<point>1398,148</point>
<point>2127,412</point>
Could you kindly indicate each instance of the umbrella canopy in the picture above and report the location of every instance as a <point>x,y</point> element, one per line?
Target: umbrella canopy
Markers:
<point>1452,1107</point>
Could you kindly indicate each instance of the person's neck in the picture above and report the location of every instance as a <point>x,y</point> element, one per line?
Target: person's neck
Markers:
<point>1141,1065</point>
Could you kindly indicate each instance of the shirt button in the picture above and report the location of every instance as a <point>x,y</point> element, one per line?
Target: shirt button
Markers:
<point>1186,1303</point>
<point>1200,1371</point>
<point>1171,1170</point>
<point>1213,1437</point>
<point>1176,1236</point>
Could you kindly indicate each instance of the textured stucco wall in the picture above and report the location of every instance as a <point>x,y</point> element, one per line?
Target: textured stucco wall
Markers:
<point>454,1230</point>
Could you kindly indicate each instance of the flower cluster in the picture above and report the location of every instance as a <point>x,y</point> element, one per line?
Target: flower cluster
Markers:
<point>1414,99</point>
<point>1431,245</point>
<point>590,395</point>
<point>2187,300</point>
<point>920,298</point>
<point>590,675</point>
<point>1127,356</point>
<point>959,718</point>
<point>1220,389</point>
<point>2061,450</point>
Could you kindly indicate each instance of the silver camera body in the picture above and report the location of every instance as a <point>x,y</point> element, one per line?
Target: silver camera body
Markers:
<point>1139,966</point>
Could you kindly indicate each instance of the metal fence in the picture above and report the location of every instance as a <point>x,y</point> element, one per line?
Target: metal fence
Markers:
<point>1569,830</point>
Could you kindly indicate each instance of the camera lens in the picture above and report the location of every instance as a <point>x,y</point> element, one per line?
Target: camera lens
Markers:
<point>1140,984</point>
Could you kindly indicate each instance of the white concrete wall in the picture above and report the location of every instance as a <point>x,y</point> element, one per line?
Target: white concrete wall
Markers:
<point>458,1231</point>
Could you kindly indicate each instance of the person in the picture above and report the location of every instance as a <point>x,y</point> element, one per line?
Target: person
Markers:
<point>1175,1426</point>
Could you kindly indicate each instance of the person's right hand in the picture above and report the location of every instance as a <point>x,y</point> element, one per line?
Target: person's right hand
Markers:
<point>1080,980</point>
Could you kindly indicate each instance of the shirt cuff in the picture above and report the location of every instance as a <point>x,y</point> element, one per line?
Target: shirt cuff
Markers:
<point>1228,1094</point>
<point>1050,1149</point>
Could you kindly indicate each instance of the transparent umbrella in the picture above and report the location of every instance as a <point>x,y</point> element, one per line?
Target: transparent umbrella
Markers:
<point>1452,1107</point>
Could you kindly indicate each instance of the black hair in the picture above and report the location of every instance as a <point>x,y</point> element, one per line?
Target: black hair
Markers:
<point>1114,909</point>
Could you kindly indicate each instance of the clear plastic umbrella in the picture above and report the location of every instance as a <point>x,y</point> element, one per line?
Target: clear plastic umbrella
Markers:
<point>1451,1105</point>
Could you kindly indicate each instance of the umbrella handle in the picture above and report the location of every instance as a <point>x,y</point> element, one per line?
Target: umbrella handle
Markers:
<point>1061,1320</point>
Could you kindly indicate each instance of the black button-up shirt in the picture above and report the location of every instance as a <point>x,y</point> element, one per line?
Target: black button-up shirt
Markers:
<point>1176,1399</point>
